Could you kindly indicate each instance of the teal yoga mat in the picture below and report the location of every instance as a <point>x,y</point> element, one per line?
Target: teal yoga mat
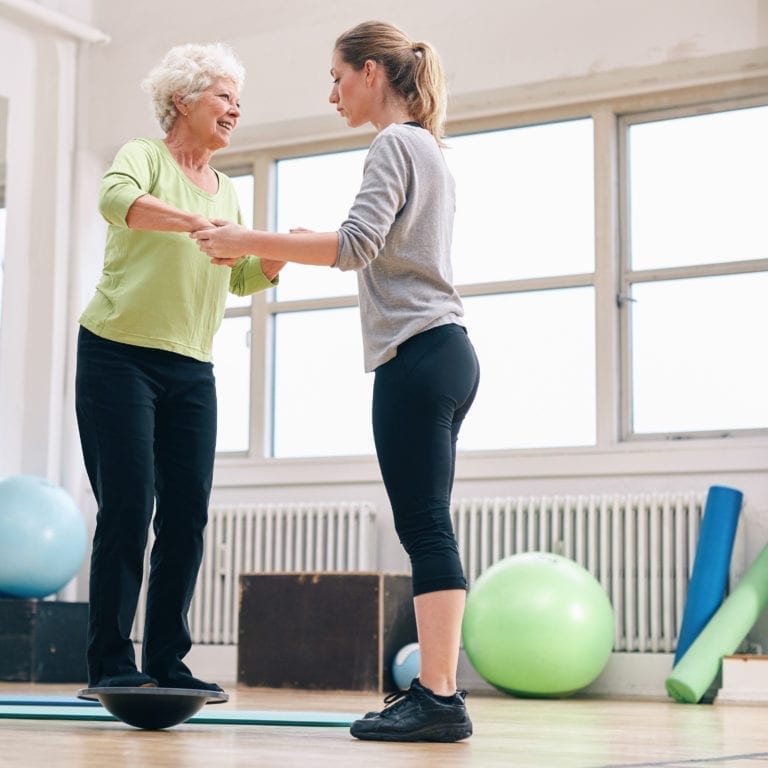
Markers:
<point>722,635</point>
<point>28,711</point>
<point>24,700</point>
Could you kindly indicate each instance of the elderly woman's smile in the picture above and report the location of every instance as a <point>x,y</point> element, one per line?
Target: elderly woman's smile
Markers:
<point>213,115</point>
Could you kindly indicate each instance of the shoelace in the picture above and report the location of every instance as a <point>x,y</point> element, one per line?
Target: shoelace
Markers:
<point>394,698</point>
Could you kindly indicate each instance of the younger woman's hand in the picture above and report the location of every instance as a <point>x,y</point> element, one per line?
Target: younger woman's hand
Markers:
<point>222,242</point>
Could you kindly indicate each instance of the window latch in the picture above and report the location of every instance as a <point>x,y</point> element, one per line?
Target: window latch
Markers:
<point>622,299</point>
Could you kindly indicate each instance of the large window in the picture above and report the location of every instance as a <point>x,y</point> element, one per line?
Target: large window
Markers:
<point>525,220</point>
<point>320,393</point>
<point>696,272</point>
<point>537,360</point>
<point>613,272</point>
<point>524,237</point>
<point>315,193</point>
<point>524,202</point>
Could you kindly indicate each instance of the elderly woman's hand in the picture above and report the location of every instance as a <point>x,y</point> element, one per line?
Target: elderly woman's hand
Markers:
<point>223,242</point>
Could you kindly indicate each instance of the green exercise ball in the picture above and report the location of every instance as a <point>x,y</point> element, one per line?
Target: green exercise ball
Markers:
<point>538,625</point>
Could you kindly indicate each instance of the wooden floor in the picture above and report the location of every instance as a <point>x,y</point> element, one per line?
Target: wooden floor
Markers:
<point>571,733</point>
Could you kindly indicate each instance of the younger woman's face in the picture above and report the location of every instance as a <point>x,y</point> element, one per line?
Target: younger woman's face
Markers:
<point>349,92</point>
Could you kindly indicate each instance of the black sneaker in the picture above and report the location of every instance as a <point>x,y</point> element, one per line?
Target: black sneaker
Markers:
<point>416,715</point>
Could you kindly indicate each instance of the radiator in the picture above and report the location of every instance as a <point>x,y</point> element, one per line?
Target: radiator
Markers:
<point>268,538</point>
<point>639,547</point>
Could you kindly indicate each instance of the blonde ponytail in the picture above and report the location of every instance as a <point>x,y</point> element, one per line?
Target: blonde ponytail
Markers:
<point>413,68</point>
<point>428,102</point>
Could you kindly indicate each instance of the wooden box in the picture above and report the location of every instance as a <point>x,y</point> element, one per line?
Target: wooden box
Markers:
<point>330,631</point>
<point>42,641</point>
<point>744,679</point>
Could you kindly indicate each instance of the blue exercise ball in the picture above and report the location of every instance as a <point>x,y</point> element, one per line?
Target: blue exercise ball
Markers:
<point>43,538</point>
<point>406,665</point>
<point>539,625</point>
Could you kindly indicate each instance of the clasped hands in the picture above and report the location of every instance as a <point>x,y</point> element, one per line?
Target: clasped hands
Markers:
<point>221,242</point>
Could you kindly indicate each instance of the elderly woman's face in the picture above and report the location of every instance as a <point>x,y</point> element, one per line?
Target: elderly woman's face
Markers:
<point>214,115</point>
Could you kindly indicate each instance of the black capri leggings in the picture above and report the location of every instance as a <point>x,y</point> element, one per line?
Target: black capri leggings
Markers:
<point>420,399</point>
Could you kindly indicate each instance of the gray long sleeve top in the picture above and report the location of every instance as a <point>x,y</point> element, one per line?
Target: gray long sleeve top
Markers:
<point>398,237</point>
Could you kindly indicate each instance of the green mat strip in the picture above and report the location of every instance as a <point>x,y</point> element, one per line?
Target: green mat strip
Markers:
<point>214,716</point>
<point>24,700</point>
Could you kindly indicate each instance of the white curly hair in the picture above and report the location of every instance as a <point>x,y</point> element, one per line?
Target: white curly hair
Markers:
<point>188,70</point>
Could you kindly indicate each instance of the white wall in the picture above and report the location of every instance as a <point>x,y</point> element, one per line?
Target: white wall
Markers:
<point>39,48</point>
<point>486,46</point>
<point>72,105</point>
<point>38,76</point>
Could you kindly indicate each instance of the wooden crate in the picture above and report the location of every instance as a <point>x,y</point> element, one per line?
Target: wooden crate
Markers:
<point>43,641</point>
<point>330,631</point>
<point>744,679</point>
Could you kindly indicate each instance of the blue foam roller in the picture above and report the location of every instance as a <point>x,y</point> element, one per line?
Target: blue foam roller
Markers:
<point>711,564</point>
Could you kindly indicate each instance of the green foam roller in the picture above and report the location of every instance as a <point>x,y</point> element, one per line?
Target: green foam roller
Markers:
<point>697,669</point>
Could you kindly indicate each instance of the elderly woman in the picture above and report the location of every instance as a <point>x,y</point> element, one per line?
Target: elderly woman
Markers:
<point>146,396</point>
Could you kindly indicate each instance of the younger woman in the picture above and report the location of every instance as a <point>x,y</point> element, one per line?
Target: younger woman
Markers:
<point>398,238</point>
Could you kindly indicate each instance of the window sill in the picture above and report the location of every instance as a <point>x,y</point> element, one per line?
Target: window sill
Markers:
<point>717,456</point>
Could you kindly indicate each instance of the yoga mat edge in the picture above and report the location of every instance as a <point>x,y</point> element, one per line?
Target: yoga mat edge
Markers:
<point>221,716</point>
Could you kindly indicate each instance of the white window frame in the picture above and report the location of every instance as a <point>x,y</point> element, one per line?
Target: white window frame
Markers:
<point>629,277</point>
<point>616,453</point>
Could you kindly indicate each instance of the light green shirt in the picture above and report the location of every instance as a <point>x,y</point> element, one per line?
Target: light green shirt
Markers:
<point>157,289</point>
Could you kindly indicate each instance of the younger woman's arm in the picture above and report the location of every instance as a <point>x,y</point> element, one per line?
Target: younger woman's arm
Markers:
<point>227,242</point>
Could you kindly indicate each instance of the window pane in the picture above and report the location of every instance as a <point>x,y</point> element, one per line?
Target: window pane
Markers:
<point>316,193</point>
<point>524,202</point>
<point>537,370</point>
<point>232,367</point>
<point>696,354</point>
<point>697,189</point>
<point>322,397</point>
<point>244,188</point>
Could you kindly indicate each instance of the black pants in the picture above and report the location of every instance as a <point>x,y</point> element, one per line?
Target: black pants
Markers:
<point>420,399</point>
<point>147,421</point>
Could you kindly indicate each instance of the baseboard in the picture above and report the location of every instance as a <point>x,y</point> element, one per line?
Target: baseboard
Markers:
<point>627,675</point>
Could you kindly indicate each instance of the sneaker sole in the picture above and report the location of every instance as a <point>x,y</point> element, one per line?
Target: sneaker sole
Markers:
<point>441,733</point>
